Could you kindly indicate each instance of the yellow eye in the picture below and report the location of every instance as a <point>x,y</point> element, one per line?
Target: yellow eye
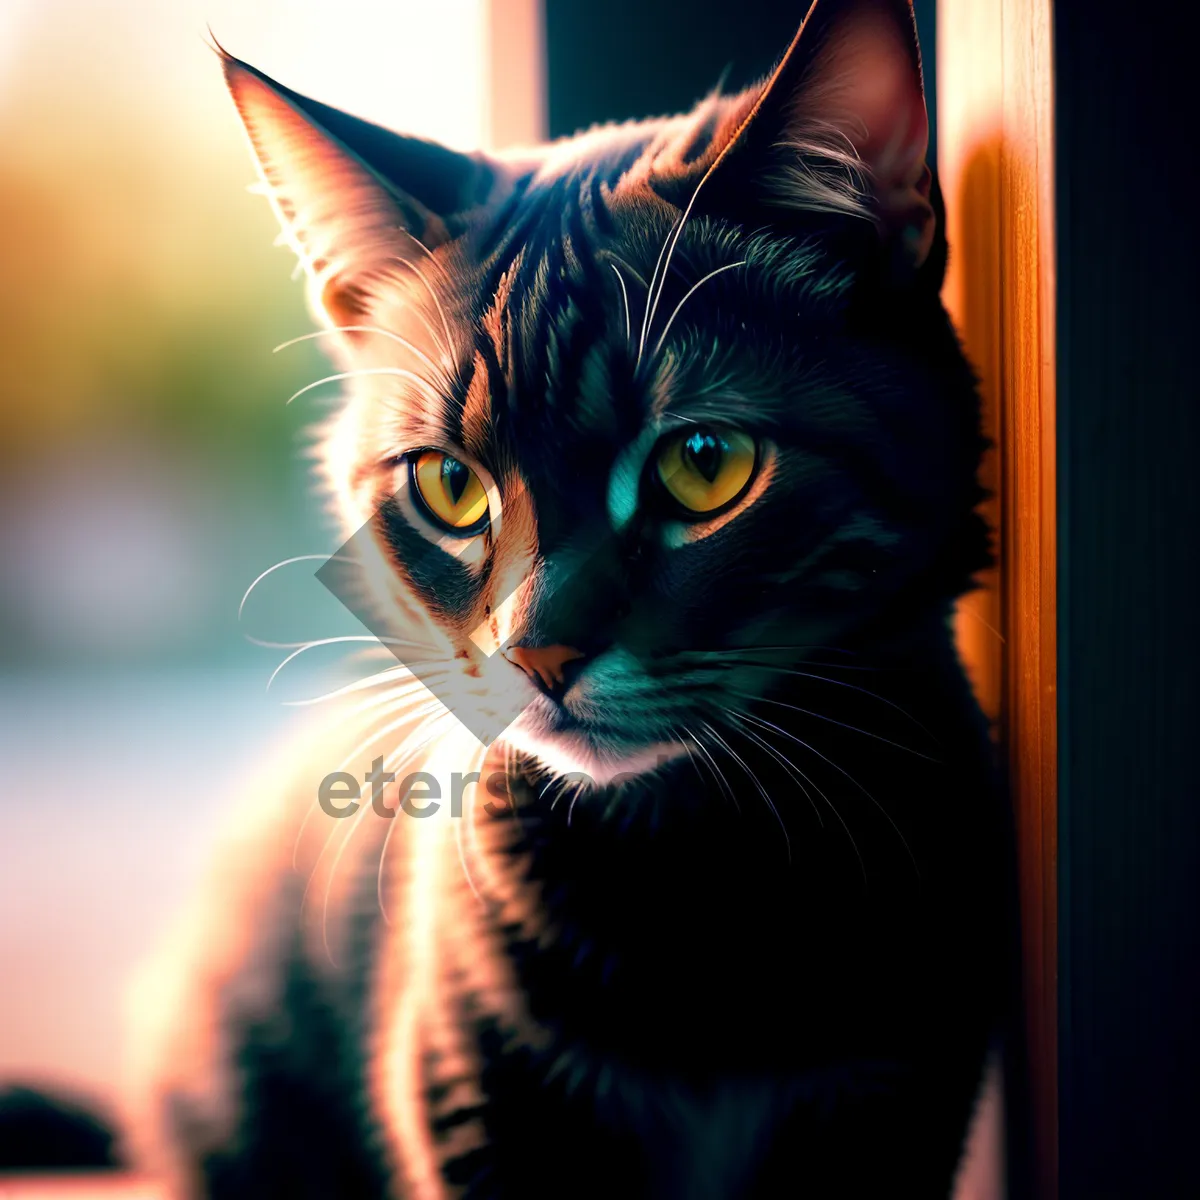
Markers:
<point>450,491</point>
<point>705,469</point>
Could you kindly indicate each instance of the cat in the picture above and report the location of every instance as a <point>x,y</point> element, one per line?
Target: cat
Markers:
<point>659,453</point>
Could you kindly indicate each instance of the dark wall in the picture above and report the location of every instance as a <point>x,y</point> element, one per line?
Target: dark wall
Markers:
<point>1129,532</point>
<point>641,58</point>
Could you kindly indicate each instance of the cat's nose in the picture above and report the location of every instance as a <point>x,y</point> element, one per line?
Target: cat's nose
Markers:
<point>544,665</point>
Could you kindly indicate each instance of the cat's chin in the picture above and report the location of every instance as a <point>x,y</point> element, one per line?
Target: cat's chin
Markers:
<point>590,759</point>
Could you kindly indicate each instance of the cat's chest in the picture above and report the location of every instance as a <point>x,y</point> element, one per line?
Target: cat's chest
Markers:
<point>705,1143</point>
<point>674,1137</point>
<point>705,1139</point>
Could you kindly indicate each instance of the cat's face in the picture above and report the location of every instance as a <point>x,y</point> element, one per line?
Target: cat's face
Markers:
<point>641,420</point>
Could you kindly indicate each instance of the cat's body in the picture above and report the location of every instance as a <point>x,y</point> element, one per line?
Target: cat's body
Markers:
<point>770,957</point>
<point>725,1024</point>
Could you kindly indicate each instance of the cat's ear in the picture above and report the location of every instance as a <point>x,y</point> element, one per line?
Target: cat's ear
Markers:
<point>353,197</point>
<point>841,126</point>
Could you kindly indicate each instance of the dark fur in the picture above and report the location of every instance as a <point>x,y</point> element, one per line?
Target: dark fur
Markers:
<point>735,1003</point>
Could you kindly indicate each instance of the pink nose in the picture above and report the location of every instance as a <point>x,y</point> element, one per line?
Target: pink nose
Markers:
<point>543,662</point>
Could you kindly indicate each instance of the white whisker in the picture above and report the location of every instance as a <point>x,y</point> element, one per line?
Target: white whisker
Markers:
<point>431,721</point>
<point>409,714</point>
<point>579,789</point>
<point>355,822</point>
<point>720,778</point>
<point>825,758</point>
<point>398,372</point>
<point>970,611</point>
<point>862,866</point>
<point>671,319</point>
<point>787,764</point>
<point>853,687</point>
<point>334,641</point>
<point>446,362</point>
<point>412,266</point>
<point>669,251</point>
<point>367,741</point>
<point>462,836</point>
<point>411,347</point>
<point>741,762</point>
<point>429,254</point>
<point>647,311</point>
<point>287,562</point>
<point>625,298</point>
<point>381,677</point>
<point>636,274</point>
<point>679,735</point>
<point>833,721</point>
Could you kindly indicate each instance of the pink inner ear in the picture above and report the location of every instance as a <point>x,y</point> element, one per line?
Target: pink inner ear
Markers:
<point>866,83</point>
<point>880,92</point>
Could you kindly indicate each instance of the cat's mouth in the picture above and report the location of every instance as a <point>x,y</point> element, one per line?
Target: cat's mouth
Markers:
<point>568,746</point>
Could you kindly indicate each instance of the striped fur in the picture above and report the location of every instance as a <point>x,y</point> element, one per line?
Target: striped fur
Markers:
<point>763,950</point>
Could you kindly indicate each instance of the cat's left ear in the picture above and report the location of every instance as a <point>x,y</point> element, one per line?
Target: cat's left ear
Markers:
<point>351,196</point>
<point>841,125</point>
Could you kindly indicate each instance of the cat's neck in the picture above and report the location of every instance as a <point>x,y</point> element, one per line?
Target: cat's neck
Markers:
<point>846,795</point>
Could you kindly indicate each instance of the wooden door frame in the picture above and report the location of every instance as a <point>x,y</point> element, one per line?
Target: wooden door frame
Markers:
<point>995,95</point>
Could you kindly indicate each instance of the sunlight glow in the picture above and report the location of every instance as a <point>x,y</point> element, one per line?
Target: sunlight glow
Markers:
<point>415,67</point>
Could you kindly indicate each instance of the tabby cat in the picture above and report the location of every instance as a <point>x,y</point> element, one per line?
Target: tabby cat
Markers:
<point>659,451</point>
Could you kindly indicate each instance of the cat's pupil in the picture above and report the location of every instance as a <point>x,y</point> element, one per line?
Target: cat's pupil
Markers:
<point>704,451</point>
<point>455,478</point>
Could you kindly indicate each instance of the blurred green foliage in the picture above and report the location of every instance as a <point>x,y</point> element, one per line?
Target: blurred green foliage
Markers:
<point>142,297</point>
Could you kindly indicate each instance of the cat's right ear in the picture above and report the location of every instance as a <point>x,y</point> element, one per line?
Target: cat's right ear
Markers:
<point>352,197</point>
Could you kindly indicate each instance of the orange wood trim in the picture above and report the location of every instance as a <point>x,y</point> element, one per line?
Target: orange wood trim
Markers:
<point>996,164</point>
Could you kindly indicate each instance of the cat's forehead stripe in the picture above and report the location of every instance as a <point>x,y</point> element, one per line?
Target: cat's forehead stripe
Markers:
<point>553,362</point>
<point>476,418</point>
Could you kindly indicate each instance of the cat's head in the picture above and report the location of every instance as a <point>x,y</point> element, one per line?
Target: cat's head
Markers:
<point>636,419</point>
